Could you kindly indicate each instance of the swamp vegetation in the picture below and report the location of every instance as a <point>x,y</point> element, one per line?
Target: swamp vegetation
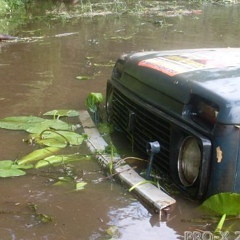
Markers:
<point>16,12</point>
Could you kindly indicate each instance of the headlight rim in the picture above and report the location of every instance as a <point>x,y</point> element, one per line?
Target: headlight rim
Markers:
<point>182,176</point>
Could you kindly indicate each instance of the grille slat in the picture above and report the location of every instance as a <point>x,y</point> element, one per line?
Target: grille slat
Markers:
<point>147,127</point>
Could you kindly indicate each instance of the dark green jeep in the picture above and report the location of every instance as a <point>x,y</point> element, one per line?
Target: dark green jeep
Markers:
<point>189,102</point>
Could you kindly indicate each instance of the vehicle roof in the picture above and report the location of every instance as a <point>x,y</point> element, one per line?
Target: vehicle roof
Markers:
<point>213,74</point>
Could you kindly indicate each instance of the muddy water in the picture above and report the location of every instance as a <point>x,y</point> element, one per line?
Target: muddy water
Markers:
<point>39,74</point>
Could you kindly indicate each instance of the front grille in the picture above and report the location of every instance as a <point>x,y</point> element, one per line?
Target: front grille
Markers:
<point>148,127</point>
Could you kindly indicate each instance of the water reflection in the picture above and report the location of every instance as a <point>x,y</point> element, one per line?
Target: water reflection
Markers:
<point>134,221</point>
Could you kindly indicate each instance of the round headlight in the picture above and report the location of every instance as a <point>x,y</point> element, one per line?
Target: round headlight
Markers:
<point>189,161</point>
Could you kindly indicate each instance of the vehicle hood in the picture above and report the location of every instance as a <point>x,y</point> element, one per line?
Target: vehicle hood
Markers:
<point>213,74</point>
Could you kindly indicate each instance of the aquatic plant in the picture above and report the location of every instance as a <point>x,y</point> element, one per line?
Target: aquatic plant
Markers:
<point>92,102</point>
<point>49,134</point>
<point>9,168</point>
<point>226,204</point>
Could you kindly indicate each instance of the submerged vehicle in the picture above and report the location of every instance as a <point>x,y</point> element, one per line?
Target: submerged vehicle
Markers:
<point>188,101</point>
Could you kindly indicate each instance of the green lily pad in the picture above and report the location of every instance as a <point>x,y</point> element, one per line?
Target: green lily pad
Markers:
<point>58,142</point>
<point>113,231</point>
<point>11,173</point>
<point>49,124</point>
<point>51,161</point>
<point>58,139</point>
<point>72,137</point>
<point>93,100</point>
<point>80,186</point>
<point>19,123</point>
<point>223,203</point>
<point>5,164</point>
<point>43,218</point>
<point>9,168</point>
<point>37,155</point>
<point>17,166</point>
<point>33,124</point>
<point>62,113</point>
<point>59,159</point>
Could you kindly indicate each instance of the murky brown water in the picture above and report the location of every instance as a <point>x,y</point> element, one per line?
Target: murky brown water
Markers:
<point>40,75</point>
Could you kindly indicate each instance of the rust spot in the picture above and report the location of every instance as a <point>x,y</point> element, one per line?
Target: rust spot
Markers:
<point>219,154</point>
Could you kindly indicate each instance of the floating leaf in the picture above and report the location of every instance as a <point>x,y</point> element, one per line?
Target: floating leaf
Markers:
<point>49,124</point>
<point>62,113</point>
<point>80,186</point>
<point>223,203</point>
<point>6,164</point>
<point>38,155</point>
<point>72,137</point>
<point>60,159</point>
<point>58,139</point>
<point>112,231</point>
<point>19,123</point>
<point>9,169</point>
<point>93,100</point>
<point>17,166</point>
<point>32,124</point>
<point>47,138</point>
<point>84,77</point>
<point>43,218</point>
<point>52,161</point>
<point>11,172</point>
